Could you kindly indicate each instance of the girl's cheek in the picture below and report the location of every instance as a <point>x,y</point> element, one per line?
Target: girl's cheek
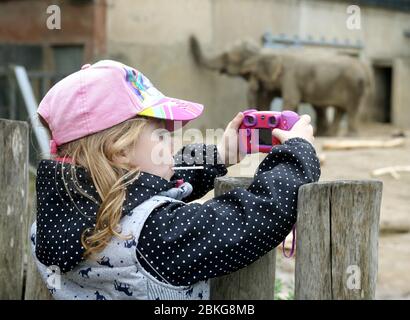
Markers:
<point>167,149</point>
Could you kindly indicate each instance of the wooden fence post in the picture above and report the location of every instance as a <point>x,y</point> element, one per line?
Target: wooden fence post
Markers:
<point>13,206</point>
<point>257,281</point>
<point>19,278</point>
<point>35,288</point>
<point>337,240</point>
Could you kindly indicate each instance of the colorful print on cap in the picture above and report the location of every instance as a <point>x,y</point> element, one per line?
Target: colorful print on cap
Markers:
<point>146,93</point>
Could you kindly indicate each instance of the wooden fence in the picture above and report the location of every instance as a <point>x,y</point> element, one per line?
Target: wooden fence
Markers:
<point>336,245</point>
<point>337,236</point>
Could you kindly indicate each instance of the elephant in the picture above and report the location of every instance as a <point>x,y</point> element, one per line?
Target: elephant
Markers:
<point>322,79</point>
<point>229,62</point>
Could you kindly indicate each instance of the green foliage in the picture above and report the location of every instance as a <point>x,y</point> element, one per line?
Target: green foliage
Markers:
<point>279,290</point>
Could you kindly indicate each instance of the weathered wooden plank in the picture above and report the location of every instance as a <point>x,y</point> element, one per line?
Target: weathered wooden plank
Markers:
<point>256,281</point>
<point>13,205</point>
<point>337,240</point>
<point>313,256</point>
<point>355,212</point>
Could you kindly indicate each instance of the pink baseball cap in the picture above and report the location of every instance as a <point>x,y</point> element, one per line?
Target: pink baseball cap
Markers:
<point>104,94</point>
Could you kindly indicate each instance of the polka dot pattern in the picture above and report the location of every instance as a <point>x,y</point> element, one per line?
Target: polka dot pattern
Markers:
<point>63,213</point>
<point>199,154</point>
<point>190,242</point>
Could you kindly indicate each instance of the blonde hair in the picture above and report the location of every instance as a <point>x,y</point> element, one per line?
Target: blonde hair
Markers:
<point>96,153</point>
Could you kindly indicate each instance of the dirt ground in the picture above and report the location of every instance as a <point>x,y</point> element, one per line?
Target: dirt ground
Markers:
<point>394,241</point>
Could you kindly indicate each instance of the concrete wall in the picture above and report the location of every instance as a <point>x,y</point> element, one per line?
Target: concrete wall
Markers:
<point>153,36</point>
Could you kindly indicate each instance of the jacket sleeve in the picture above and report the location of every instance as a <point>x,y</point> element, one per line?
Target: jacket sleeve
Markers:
<point>187,243</point>
<point>202,180</point>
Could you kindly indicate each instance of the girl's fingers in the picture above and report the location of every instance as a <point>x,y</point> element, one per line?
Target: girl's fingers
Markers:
<point>236,122</point>
<point>279,134</point>
<point>305,118</point>
<point>303,121</point>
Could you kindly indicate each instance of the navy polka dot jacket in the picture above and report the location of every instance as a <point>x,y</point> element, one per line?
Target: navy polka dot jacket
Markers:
<point>186,242</point>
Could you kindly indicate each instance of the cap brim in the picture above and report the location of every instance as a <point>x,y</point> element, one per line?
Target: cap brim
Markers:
<point>173,109</point>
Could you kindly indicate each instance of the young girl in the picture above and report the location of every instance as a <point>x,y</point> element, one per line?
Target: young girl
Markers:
<point>115,223</point>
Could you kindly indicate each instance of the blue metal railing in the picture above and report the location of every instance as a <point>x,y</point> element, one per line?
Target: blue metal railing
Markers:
<point>282,40</point>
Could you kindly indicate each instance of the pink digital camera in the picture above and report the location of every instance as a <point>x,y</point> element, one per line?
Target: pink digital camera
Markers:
<point>255,132</point>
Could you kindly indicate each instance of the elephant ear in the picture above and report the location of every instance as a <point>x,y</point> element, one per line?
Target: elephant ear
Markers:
<point>253,83</point>
<point>265,67</point>
<point>250,65</point>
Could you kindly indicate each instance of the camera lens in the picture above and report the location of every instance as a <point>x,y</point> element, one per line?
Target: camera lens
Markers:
<point>272,121</point>
<point>250,120</point>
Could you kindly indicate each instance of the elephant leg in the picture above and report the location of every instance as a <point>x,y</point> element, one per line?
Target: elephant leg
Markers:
<point>290,105</point>
<point>254,92</point>
<point>265,100</point>
<point>352,125</point>
<point>253,98</point>
<point>322,124</point>
<point>351,109</point>
<point>259,99</point>
<point>291,100</point>
<point>335,125</point>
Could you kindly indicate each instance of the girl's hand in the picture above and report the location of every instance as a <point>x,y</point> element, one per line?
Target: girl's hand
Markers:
<point>228,148</point>
<point>301,129</point>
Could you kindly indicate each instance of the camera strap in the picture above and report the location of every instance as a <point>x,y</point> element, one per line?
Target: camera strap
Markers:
<point>292,250</point>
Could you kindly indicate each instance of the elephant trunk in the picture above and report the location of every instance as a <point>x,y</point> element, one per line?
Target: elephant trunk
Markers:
<point>215,63</point>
